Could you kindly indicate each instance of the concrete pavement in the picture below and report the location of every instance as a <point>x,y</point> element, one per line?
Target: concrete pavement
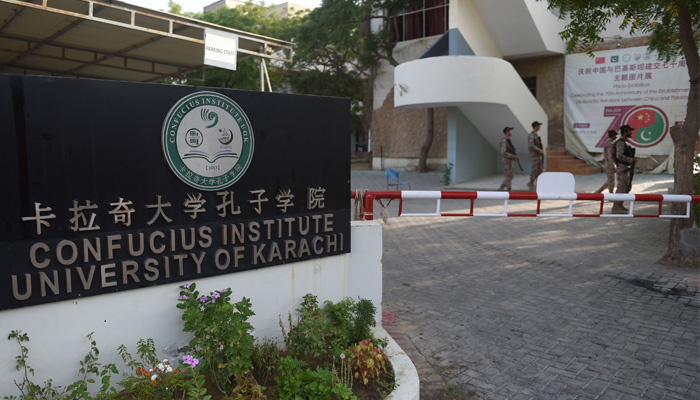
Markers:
<point>540,308</point>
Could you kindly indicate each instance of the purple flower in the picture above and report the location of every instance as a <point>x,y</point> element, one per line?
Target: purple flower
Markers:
<point>186,285</point>
<point>215,295</point>
<point>184,297</point>
<point>189,360</point>
<point>203,299</point>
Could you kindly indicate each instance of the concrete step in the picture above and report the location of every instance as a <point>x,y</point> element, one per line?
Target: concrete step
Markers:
<point>561,161</point>
<point>360,157</point>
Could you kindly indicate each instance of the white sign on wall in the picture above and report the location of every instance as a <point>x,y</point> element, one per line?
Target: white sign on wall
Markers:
<point>220,49</point>
<point>625,87</point>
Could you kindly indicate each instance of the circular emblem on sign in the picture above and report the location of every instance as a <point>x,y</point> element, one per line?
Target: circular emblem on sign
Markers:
<point>207,140</point>
<point>650,125</point>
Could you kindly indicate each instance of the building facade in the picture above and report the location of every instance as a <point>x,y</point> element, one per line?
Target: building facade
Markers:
<point>491,64</point>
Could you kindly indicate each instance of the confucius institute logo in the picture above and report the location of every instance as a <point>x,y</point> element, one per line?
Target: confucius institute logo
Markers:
<point>207,140</point>
<point>650,125</point>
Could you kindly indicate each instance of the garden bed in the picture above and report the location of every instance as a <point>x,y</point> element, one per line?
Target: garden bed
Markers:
<point>329,352</point>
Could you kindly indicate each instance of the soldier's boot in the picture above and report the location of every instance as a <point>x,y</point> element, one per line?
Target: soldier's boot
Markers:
<point>500,188</point>
<point>617,208</point>
<point>622,205</point>
<point>531,186</point>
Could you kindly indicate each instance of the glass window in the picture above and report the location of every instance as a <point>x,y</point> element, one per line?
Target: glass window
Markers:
<point>428,19</point>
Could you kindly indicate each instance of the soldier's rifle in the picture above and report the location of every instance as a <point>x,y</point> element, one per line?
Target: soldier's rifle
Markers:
<point>633,151</point>
<point>515,152</point>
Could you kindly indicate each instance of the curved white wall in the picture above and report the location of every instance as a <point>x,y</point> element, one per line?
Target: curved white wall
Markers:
<point>487,90</point>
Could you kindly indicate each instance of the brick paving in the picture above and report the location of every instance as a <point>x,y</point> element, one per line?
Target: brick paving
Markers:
<point>540,308</point>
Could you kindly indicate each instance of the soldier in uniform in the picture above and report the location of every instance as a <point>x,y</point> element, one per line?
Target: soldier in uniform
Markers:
<point>625,160</point>
<point>608,154</point>
<point>534,145</point>
<point>509,156</point>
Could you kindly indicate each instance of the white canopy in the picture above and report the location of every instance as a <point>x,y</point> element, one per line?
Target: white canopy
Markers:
<point>111,40</point>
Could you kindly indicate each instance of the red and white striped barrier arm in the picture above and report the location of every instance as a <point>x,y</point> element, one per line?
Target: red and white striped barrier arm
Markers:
<point>660,199</point>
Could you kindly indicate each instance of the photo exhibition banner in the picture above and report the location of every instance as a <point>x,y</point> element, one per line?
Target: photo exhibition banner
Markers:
<point>629,86</point>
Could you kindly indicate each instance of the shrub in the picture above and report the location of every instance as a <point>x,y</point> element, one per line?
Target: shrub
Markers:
<point>333,329</point>
<point>77,390</point>
<point>222,338</point>
<point>296,383</point>
<point>265,360</point>
<point>367,361</point>
<point>149,377</point>
<point>308,337</point>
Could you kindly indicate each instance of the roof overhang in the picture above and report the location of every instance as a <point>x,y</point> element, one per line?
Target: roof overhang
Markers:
<point>111,40</point>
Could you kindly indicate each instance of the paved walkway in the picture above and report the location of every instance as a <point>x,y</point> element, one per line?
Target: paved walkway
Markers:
<point>540,308</point>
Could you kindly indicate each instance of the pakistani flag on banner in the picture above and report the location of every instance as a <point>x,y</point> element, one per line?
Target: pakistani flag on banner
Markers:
<point>628,86</point>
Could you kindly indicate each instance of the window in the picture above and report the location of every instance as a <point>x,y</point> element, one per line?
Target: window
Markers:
<point>428,19</point>
<point>531,83</point>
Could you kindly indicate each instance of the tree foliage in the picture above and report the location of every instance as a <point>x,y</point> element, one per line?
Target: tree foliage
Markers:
<point>673,30</point>
<point>657,19</point>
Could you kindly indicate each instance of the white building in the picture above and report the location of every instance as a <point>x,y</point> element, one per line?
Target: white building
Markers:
<point>482,65</point>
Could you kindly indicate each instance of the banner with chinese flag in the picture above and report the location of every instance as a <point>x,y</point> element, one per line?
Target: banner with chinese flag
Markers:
<point>629,86</point>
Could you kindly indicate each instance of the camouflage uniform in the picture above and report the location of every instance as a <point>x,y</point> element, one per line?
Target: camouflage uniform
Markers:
<point>534,145</point>
<point>608,151</point>
<point>624,163</point>
<point>508,153</point>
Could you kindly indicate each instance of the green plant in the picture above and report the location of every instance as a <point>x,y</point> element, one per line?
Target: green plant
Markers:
<point>222,338</point>
<point>296,383</point>
<point>343,375</point>
<point>349,322</point>
<point>367,361</point>
<point>247,388</point>
<point>364,320</point>
<point>454,392</point>
<point>27,388</point>
<point>308,337</point>
<point>340,325</point>
<point>448,173</point>
<point>194,387</point>
<point>266,356</point>
<point>90,366</point>
<point>77,390</point>
<point>332,329</point>
<point>150,377</point>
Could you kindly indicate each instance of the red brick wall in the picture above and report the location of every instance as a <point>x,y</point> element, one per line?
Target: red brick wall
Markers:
<point>401,133</point>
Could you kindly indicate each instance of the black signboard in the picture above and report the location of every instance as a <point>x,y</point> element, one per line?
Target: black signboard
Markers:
<point>110,186</point>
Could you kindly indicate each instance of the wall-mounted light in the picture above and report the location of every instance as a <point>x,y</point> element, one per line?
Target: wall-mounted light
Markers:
<point>403,88</point>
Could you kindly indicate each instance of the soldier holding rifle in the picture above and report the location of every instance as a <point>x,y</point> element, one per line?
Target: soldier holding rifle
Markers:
<point>509,156</point>
<point>534,145</point>
<point>625,162</point>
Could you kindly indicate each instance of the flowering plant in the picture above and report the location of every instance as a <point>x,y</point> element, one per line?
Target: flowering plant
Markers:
<point>222,339</point>
<point>151,377</point>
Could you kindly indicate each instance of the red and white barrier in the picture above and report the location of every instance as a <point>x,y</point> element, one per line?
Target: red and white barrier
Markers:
<point>386,196</point>
<point>550,186</point>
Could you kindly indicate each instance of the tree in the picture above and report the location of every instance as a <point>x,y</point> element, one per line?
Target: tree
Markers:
<point>249,17</point>
<point>326,61</point>
<point>673,29</point>
<point>337,51</point>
